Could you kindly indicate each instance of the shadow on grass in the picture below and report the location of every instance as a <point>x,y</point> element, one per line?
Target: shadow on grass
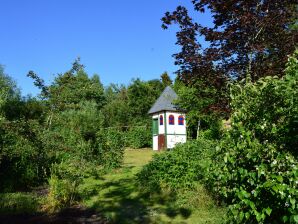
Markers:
<point>24,207</point>
<point>18,203</point>
<point>69,215</point>
<point>121,201</point>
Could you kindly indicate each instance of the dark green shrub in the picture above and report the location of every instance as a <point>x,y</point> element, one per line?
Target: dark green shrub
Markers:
<point>179,167</point>
<point>256,168</point>
<point>23,162</point>
<point>139,137</point>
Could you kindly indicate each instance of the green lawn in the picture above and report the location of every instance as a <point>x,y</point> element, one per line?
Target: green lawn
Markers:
<point>118,198</point>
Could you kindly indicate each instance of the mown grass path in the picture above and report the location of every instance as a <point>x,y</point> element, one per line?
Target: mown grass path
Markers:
<point>120,200</point>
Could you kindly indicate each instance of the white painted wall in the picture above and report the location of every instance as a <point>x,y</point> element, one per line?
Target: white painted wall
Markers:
<point>161,129</point>
<point>172,140</point>
<point>175,133</point>
<point>155,142</point>
<point>176,129</point>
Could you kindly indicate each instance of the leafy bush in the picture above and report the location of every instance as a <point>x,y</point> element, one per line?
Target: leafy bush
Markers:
<point>64,182</point>
<point>110,146</point>
<point>256,168</point>
<point>139,137</point>
<point>73,132</point>
<point>62,193</point>
<point>202,105</point>
<point>179,167</point>
<point>23,162</point>
<point>257,180</point>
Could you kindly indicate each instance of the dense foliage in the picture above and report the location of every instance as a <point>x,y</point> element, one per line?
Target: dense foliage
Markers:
<point>256,167</point>
<point>180,167</point>
<point>138,137</point>
<point>64,126</point>
<point>127,109</point>
<point>23,161</point>
<point>197,116</point>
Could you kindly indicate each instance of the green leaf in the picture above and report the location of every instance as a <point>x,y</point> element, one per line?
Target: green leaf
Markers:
<point>245,194</point>
<point>268,211</point>
<point>279,178</point>
<point>285,218</point>
<point>258,216</point>
<point>241,216</point>
<point>295,218</point>
<point>293,202</point>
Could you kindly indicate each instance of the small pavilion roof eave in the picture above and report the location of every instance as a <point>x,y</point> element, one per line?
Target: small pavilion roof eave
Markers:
<point>179,110</point>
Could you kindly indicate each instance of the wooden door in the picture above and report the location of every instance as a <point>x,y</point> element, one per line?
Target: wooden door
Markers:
<point>155,126</point>
<point>161,142</point>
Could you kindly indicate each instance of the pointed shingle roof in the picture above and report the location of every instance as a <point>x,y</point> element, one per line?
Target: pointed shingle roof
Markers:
<point>165,101</point>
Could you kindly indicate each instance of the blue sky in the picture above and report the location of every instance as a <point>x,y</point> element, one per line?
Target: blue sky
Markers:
<point>119,40</point>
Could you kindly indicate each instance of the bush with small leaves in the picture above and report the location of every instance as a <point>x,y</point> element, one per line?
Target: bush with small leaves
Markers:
<point>180,167</point>
<point>255,169</point>
<point>139,137</point>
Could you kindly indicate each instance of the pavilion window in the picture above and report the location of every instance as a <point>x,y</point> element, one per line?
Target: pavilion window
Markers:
<point>160,120</point>
<point>171,120</point>
<point>180,120</point>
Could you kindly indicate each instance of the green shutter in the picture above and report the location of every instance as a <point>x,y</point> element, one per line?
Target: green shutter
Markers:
<point>155,127</point>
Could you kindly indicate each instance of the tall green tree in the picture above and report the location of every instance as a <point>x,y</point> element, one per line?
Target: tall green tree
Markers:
<point>116,111</point>
<point>141,96</point>
<point>71,88</point>
<point>10,97</point>
<point>165,79</point>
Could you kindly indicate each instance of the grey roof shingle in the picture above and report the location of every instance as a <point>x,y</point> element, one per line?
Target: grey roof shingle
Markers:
<point>165,101</point>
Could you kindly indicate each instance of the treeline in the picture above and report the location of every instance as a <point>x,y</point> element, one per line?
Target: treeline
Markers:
<point>74,129</point>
